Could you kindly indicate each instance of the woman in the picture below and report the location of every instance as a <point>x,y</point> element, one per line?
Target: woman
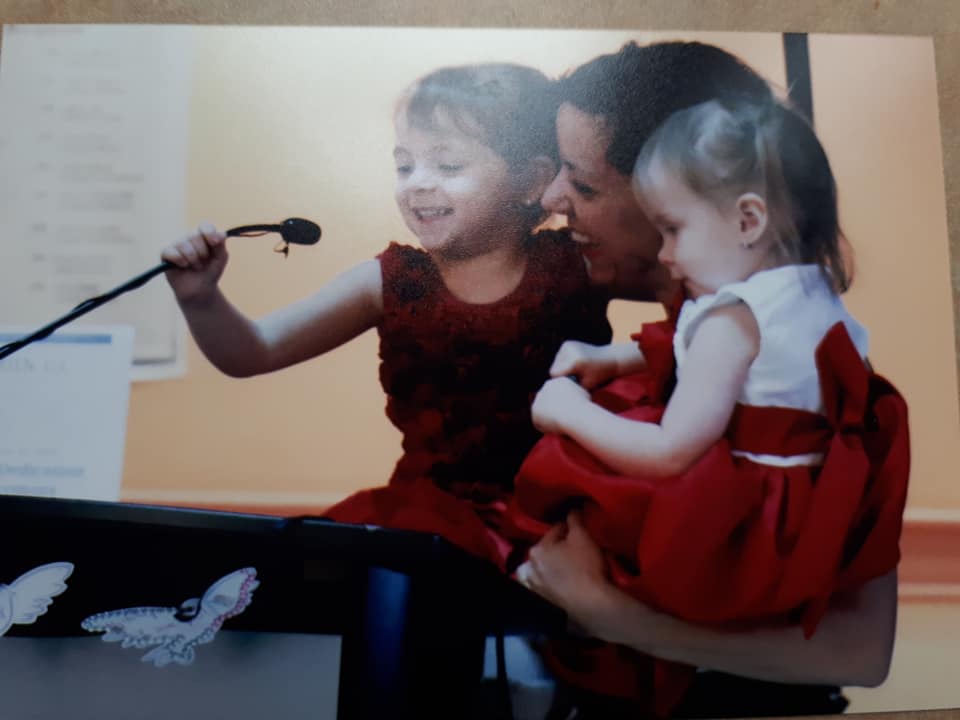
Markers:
<point>608,108</point>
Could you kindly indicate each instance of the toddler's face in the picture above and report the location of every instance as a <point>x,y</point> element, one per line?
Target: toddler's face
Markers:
<point>702,243</point>
<point>454,192</point>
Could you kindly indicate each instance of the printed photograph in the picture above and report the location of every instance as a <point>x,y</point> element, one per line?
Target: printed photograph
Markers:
<point>658,325</point>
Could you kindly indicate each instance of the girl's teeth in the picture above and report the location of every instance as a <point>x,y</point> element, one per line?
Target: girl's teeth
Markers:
<point>432,213</point>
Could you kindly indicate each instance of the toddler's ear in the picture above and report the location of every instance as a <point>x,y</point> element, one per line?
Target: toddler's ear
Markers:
<point>752,218</point>
<point>537,176</point>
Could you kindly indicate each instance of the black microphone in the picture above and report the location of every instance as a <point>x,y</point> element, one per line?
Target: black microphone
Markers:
<point>294,231</point>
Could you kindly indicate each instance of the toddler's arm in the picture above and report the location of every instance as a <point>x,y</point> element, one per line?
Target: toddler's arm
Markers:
<point>710,383</point>
<point>593,365</point>
<point>238,346</point>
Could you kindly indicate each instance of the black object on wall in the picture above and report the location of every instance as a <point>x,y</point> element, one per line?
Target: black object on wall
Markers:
<point>796,53</point>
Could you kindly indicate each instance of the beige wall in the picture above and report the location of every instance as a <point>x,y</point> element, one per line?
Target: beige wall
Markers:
<point>296,121</point>
<point>875,103</point>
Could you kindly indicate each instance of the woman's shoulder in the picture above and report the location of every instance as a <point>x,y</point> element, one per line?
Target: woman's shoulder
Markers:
<point>555,236</point>
<point>554,251</point>
<point>546,241</point>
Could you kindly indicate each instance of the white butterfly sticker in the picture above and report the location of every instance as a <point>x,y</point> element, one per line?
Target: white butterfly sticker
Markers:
<point>29,596</point>
<point>177,631</point>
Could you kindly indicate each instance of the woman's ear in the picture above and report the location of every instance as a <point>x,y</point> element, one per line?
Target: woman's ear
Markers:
<point>752,218</point>
<point>538,175</point>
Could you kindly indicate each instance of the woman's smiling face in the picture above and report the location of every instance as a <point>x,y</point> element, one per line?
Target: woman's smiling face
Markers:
<point>618,242</point>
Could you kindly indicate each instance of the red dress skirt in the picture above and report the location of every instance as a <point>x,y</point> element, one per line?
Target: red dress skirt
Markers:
<point>729,539</point>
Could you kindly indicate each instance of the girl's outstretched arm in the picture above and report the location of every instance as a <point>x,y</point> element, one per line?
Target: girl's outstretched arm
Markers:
<point>713,373</point>
<point>240,347</point>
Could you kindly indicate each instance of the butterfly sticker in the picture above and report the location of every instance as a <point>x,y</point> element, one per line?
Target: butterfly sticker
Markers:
<point>177,631</point>
<point>29,596</point>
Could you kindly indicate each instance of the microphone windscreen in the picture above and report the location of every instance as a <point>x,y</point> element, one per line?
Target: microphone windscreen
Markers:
<point>298,231</point>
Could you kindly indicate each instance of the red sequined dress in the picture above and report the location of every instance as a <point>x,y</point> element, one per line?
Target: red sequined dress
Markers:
<point>460,379</point>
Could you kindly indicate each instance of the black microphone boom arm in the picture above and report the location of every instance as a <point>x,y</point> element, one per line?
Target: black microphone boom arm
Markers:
<point>294,231</point>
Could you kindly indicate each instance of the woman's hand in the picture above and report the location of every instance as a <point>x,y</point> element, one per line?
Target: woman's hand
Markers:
<point>567,568</point>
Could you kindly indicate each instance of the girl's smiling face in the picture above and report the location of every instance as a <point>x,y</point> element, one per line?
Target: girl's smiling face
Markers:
<point>455,194</point>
